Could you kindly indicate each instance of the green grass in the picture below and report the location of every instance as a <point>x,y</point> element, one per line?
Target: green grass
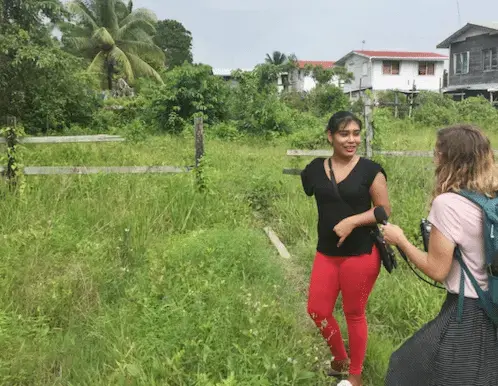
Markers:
<point>142,280</point>
<point>403,135</point>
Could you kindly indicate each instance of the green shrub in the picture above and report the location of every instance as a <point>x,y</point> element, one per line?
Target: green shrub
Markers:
<point>224,130</point>
<point>327,99</point>
<point>187,90</point>
<point>477,110</point>
<point>435,109</point>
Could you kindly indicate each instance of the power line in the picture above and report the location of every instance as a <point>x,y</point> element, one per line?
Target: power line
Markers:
<point>459,16</point>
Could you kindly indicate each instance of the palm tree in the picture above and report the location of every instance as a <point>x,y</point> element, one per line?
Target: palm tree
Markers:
<point>277,58</point>
<point>116,38</point>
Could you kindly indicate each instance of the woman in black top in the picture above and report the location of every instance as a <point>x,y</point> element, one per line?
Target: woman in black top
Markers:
<point>346,259</point>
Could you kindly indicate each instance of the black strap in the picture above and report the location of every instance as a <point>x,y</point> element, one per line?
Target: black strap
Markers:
<point>336,190</point>
<point>334,183</point>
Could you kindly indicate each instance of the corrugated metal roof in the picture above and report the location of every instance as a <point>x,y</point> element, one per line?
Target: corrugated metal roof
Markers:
<point>491,26</point>
<point>400,54</point>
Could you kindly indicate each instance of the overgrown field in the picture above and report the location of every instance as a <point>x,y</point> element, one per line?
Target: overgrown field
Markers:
<point>143,280</point>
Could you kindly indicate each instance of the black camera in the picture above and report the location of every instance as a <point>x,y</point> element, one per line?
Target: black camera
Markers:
<point>425,231</point>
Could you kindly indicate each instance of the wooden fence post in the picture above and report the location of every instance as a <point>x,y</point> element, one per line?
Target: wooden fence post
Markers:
<point>368,126</point>
<point>199,152</point>
<point>11,139</point>
<point>199,140</point>
<point>396,101</point>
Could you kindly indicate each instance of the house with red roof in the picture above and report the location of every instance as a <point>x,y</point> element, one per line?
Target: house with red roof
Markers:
<point>404,71</point>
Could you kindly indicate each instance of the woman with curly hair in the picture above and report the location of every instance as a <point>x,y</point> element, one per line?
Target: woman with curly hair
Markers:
<point>455,348</point>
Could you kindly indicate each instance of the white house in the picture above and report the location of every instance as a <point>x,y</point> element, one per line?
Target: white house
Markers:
<point>393,70</point>
<point>298,80</point>
<point>226,73</point>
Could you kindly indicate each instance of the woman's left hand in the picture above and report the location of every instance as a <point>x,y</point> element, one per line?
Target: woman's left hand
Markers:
<point>393,234</point>
<point>344,229</point>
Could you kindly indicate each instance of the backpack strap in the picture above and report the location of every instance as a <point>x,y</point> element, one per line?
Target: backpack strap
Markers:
<point>485,302</point>
<point>488,208</point>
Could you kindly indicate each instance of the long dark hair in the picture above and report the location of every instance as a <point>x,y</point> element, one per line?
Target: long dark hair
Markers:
<point>340,120</point>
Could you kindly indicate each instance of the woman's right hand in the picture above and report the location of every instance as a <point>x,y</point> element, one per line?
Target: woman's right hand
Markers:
<point>393,234</point>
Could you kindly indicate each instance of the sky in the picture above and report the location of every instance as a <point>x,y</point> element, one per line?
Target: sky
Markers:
<point>239,33</point>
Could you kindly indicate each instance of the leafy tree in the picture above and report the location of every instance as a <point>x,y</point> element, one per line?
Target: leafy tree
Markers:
<point>343,75</point>
<point>29,14</point>
<point>41,85</point>
<point>255,105</point>
<point>187,90</point>
<point>323,75</point>
<point>175,41</point>
<point>115,37</point>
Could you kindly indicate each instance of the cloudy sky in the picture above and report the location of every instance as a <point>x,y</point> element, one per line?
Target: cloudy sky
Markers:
<point>239,33</point>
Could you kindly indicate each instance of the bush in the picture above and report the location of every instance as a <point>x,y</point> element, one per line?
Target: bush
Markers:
<point>224,130</point>
<point>387,97</point>
<point>477,110</point>
<point>296,100</point>
<point>435,109</point>
<point>327,99</point>
<point>322,100</point>
<point>188,90</point>
<point>256,107</point>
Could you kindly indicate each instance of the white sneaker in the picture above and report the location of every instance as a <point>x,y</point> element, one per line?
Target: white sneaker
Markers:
<point>345,383</point>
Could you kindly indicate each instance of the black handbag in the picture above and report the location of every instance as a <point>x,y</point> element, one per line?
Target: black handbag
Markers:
<point>386,253</point>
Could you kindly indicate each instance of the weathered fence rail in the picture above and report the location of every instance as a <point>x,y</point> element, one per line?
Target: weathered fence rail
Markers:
<point>47,170</point>
<point>69,139</point>
<point>328,153</point>
<point>11,140</point>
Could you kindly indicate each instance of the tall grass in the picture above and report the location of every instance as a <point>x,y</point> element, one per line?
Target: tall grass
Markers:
<point>141,279</point>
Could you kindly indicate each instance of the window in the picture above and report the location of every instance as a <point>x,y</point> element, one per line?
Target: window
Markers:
<point>489,59</point>
<point>390,67</point>
<point>426,68</point>
<point>461,63</point>
<point>365,69</point>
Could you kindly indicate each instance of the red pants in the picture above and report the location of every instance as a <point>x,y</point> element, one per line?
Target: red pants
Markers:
<point>355,276</point>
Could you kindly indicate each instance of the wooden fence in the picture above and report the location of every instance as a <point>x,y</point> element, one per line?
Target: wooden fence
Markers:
<point>367,114</point>
<point>328,153</point>
<point>11,140</point>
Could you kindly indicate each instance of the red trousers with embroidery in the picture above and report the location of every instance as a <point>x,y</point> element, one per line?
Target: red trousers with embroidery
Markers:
<point>354,277</point>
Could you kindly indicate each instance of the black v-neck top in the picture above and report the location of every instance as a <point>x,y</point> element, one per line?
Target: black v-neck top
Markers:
<point>354,190</point>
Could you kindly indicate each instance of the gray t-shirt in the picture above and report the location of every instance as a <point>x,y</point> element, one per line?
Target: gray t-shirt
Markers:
<point>460,221</point>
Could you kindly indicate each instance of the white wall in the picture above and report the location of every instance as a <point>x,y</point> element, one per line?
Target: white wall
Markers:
<point>361,69</point>
<point>300,82</point>
<point>408,74</point>
<point>308,83</point>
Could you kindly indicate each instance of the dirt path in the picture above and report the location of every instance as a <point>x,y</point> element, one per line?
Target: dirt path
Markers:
<point>298,279</point>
